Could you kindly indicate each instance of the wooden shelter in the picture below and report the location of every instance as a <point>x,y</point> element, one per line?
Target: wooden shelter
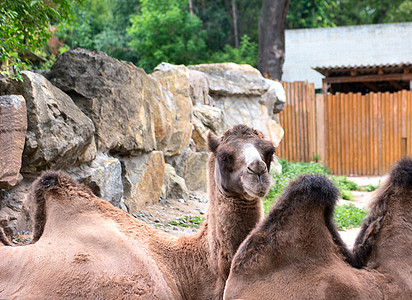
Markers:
<point>366,79</point>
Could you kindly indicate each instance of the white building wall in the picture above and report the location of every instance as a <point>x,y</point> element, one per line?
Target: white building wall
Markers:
<point>344,46</point>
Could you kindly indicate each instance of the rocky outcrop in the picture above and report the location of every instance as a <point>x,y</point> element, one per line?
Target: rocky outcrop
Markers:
<point>176,79</point>
<point>13,125</point>
<point>112,126</point>
<point>206,118</point>
<point>104,176</point>
<point>116,95</point>
<point>143,179</point>
<point>58,133</point>
<point>192,166</point>
<point>174,186</point>
<point>245,97</point>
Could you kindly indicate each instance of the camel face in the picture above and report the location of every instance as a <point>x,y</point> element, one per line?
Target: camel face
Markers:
<point>242,162</point>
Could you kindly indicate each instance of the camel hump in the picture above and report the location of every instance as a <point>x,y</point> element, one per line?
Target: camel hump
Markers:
<point>58,182</point>
<point>401,173</point>
<point>312,189</point>
<point>61,187</point>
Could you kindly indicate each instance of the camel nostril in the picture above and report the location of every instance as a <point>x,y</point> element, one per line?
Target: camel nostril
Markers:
<point>257,168</point>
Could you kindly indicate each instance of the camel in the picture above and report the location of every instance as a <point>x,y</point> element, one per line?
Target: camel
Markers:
<point>384,243</point>
<point>85,248</point>
<point>297,253</point>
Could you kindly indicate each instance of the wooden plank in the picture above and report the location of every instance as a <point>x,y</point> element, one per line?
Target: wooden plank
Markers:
<point>368,134</point>
<point>355,135</point>
<point>343,127</point>
<point>320,126</point>
<point>361,130</point>
<point>369,78</point>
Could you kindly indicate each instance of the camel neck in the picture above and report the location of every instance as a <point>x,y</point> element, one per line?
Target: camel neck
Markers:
<point>230,221</point>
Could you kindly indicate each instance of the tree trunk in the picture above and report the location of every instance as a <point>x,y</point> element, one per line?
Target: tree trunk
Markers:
<point>272,38</point>
<point>235,28</point>
<point>191,7</point>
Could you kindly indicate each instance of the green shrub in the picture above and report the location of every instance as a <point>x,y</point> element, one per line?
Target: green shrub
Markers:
<point>290,171</point>
<point>369,187</point>
<point>349,216</point>
<point>246,53</point>
<point>343,183</point>
<point>165,31</point>
<point>346,195</point>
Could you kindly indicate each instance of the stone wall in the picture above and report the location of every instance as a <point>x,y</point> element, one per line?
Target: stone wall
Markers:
<point>129,136</point>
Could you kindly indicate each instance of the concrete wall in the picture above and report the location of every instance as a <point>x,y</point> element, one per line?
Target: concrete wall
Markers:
<point>344,46</point>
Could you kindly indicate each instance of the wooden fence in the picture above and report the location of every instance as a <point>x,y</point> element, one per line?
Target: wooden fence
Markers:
<point>353,134</point>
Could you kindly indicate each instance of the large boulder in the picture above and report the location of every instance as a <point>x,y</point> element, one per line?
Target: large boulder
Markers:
<point>199,88</point>
<point>177,80</point>
<point>104,177</point>
<point>205,119</point>
<point>233,79</point>
<point>192,166</point>
<point>13,125</point>
<point>15,210</point>
<point>142,179</point>
<point>174,186</point>
<point>58,133</point>
<point>245,97</point>
<point>130,110</point>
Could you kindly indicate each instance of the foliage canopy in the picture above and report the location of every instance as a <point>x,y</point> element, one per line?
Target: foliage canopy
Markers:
<point>165,31</point>
<point>25,27</point>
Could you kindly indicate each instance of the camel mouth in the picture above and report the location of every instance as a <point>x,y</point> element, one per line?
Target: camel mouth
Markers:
<point>260,192</point>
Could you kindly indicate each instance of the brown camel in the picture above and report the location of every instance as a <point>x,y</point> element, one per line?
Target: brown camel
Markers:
<point>85,248</point>
<point>297,253</point>
<point>384,243</point>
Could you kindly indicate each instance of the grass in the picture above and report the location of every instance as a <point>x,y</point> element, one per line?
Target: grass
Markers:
<point>346,216</point>
<point>349,216</point>
<point>187,221</point>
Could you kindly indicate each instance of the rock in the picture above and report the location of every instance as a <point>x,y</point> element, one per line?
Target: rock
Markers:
<point>164,118</point>
<point>199,88</point>
<point>233,79</point>
<point>211,117</point>
<point>249,111</point>
<point>275,166</point>
<point>192,166</point>
<point>275,97</point>
<point>103,176</point>
<point>176,79</point>
<point>142,179</point>
<point>58,133</point>
<point>174,186</point>
<point>121,99</point>
<point>13,125</point>
<point>199,135</point>
<point>245,97</point>
<point>15,208</point>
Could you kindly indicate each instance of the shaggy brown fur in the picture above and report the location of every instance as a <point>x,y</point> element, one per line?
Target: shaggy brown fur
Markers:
<point>384,243</point>
<point>297,253</point>
<point>85,248</point>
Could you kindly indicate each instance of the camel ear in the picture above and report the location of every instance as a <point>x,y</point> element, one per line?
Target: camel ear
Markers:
<point>212,141</point>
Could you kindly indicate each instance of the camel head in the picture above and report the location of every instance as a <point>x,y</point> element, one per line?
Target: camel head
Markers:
<point>240,162</point>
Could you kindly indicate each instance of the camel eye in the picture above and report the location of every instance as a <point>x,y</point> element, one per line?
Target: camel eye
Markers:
<point>225,157</point>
